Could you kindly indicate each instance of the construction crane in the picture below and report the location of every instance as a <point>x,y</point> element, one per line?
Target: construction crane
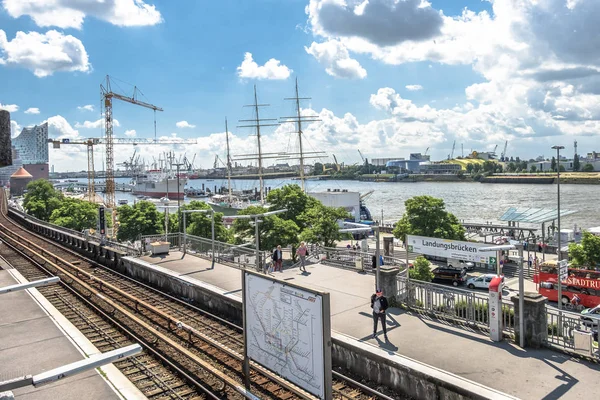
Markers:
<point>91,142</point>
<point>337,164</point>
<point>426,150</point>
<point>495,148</point>
<point>503,155</point>
<point>108,95</point>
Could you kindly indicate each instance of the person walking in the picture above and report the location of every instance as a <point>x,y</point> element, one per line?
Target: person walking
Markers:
<point>379,304</point>
<point>278,259</point>
<point>302,252</point>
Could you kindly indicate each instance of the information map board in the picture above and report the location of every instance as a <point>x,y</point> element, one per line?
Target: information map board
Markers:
<point>289,331</point>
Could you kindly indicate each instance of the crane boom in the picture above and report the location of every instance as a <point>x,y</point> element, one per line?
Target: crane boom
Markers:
<point>108,95</point>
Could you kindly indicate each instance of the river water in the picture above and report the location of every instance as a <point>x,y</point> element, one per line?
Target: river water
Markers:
<point>469,201</point>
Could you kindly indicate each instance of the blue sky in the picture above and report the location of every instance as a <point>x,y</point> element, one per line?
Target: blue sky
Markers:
<point>387,76</point>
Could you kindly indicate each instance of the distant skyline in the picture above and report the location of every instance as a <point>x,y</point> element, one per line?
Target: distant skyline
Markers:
<point>388,77</point>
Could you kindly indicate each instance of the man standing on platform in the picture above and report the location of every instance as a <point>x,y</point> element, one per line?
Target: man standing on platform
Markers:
<point>379,304</point>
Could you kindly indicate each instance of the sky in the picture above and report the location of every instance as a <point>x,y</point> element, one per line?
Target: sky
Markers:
<point>388,77</point>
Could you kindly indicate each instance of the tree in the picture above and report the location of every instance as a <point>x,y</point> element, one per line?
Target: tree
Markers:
<point>587,253</point>
<point>588,168</point>
<point>139,220</point>
<point>517,159</point>
<point>42,199</point>
<point>533,169</point>
<point>200,224</point>
<point>561,168</point>
<point>318,169</point>
<point>75,214</point>
<point>576,163</point>
<point>421,270</point>
<point>469,168</point>
<point>427,216</point>
<point>553,164</point>
<point>272,231</point>
<point>322,224</point>
<point>511,167</point>
<point>524,165</point>
<point>292,199</point>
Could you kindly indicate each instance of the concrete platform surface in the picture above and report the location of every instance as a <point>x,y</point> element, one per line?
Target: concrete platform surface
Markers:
<point>31,343</point>
<point>527,374</point>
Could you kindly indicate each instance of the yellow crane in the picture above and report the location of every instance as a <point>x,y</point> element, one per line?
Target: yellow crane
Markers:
<point>91,142</point>
<point>107,96</point>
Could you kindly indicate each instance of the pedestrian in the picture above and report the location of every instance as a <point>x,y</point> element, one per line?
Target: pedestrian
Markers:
<point>379,304</point>
<point>358,246</point>
<point>530,261</point>
<point>348,246</point>
<point>354,248</point>
<point>278,259</point>
<point>302,252</point>
<point>374,261</point>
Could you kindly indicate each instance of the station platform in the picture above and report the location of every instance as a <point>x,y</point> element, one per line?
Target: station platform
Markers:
<point>524,373</point>
<point>35,338</point>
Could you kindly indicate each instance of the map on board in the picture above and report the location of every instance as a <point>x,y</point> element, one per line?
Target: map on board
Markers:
<point>285,331</point>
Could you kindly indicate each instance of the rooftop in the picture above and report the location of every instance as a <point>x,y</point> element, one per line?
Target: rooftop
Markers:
<point>533,215</point>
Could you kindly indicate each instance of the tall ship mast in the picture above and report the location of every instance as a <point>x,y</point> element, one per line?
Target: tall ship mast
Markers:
<point>257,123</point>
<point>228,162</point>
<point>298,120</point>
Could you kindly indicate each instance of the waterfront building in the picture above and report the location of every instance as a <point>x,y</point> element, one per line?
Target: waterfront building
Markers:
<point>29,150</point>
<point>439,168</point>
<point>381,162</point>
<point>405,166</point>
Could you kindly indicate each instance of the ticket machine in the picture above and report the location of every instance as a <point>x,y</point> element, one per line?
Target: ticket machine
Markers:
<point>495,309</point>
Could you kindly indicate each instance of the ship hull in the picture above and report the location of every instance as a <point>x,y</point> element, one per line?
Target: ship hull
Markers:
<point>227,210</point>
<point>160,188</point>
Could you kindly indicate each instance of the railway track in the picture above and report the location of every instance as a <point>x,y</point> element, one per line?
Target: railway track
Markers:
<point>189,353</point>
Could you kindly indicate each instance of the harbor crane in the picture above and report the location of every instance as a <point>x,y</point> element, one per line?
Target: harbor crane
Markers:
<point>503,155</point>
<point>451,156</point>
<point>108,95</point>
<point>426,150</point>
<point>91,142</point>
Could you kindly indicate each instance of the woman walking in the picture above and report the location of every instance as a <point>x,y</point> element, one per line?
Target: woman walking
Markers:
<point>302,252</point>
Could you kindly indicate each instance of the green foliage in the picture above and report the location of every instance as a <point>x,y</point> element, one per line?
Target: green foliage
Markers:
<point>75,214</point>
<point>292,199</point>
<point>322,224</point>
<point>42,199</point>
<point>533,169</point>
<point>427,216</point>
<point>588,168</point>
<point>272,231</point>
<point>576,163</point>
<point>138,220</point>
<point>553,164</point>
<point>421,270</point>
<point>469,168</point>
<point>511,167</point>
<point>586,253</point>
<point>199,224</point>
<point>561,168</point>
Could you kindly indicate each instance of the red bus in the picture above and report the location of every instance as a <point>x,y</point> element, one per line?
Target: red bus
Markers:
<point>584,283</point>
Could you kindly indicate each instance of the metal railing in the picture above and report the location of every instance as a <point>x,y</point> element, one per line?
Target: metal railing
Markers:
<point>461,305</point>
<point>563,327</point>
<point>107,243</point>
<point>345,258</point>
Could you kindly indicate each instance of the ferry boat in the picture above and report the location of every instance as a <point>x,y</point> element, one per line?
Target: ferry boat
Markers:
<point>157,183</point>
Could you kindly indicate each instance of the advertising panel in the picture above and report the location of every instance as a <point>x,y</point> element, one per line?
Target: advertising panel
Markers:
<point>456,249</point>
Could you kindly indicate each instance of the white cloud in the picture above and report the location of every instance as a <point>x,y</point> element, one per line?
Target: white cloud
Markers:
<point>32,110</point>
<point>60,128</point>
<point>15,128</point>
<point>71,13</point>
<point>184,124</point>
<point>336,59</point>
<point>44,53</point>
<point>9,107</point>
<point>87,107</point>
<point>99,123</point>
<point>540,69</point>
<point>273,69</point>
<point>414,88</point>
<point>130,133</point>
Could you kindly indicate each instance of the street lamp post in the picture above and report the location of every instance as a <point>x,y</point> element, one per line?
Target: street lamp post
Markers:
<point>212,230</point>
<point>558,149</point>
<point>166,207</point>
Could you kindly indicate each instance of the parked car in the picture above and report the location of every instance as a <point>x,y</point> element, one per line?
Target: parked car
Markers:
<point>591,315</point>
<point>481,281</point>
<point>460,264</point>
<point>449,275</point>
